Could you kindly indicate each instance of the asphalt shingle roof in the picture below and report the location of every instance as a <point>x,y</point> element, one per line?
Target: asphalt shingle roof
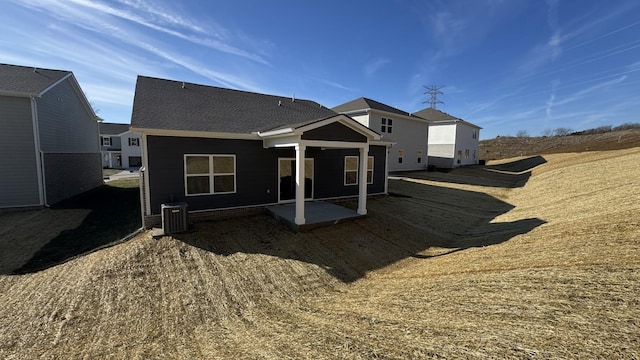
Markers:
<point>365,103</point>
<point>435,115</point>
<point>168,105</point>
<point>27,80</point>
<point>113,128</point>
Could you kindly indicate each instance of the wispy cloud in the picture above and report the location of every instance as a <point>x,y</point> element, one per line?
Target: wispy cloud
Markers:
<point>448,30</point>
<point>580,94</point>
<point>336,85</point>
<point>552,97</point>
<point>374,66</point>
<point>81,11</point>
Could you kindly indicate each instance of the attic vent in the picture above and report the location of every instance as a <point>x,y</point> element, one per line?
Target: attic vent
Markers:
<point>279,102</point>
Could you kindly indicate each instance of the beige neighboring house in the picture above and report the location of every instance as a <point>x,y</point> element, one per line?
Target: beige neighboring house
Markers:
<point>452,142</point>
<point>119,146</point>
<point>407,131</point>
<point>48,138</point>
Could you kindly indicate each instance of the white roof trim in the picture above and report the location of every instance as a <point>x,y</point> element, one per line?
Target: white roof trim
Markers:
<point>453,121</point>
<point>341,118</point>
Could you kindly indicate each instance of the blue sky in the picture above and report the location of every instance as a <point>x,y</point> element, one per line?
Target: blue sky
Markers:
<point>506,65</point>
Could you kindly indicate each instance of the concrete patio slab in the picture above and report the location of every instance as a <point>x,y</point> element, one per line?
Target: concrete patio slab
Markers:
<point>316,213</point>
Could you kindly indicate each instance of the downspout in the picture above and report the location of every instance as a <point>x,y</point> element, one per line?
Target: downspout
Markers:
<point>42,182</point>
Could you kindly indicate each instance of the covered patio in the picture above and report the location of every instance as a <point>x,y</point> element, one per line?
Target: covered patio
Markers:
<point>316,214</point>
<point>337,132</point>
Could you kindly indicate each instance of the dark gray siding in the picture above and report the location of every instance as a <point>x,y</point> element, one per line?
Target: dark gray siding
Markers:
<point>71,174</point>
<point>256,172</point>
<point>329,171</point>
<point>65,124</point>
<point>334,132</point>
<point>18,163</point>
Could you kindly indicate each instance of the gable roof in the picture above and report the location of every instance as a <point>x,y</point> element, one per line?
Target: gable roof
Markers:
<point>176,105</point>
<point>113,128</point>
<point>28,81</point>
<point>436,116</point>
<point>365,103</point>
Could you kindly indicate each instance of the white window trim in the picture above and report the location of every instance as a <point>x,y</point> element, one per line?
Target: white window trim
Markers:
<point>134,141</point>
<point>106,141</point>
<point>386,125</point>
<point>373,163</point>
<point>357,171</point>
<point>211,174</point>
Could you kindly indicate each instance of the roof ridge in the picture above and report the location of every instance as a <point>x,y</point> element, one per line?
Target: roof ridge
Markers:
<point>230,89</point>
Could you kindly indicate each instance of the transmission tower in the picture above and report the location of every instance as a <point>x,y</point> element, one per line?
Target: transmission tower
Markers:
<point>433,92</point>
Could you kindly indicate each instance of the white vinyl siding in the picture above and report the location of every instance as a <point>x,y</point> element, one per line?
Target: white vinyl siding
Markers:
<point>18,163</point>
<point>65,124</point>
<point>209,174</point>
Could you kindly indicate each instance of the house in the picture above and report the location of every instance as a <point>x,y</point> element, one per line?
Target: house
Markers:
<point>224,151</point>
<point>453,142</point>
<point>48,137</point>
<point>408,131</point>
<point>119,146</point>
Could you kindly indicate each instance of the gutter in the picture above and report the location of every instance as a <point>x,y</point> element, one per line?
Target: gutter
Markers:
<point>42,182</point>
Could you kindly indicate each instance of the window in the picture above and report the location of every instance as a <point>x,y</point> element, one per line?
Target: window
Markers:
<point>419,156</point>
<point>386,125</point>
<point>400,156</point>
<point>135,161</point>
<point>134,141</point>
<point>351,170</point>
<point>210,174</point>
<point>466,153</point>
<point>106,141</point>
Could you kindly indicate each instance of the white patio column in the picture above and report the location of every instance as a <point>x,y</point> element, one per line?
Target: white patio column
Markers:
<point>362,194</point>
<point>300,150</point>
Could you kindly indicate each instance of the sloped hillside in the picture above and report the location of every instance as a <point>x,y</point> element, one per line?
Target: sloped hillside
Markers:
<point>534,258</point>
<point>504,147</point>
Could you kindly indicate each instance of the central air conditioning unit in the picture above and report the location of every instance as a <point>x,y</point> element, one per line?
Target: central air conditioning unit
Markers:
<point>174,218</point>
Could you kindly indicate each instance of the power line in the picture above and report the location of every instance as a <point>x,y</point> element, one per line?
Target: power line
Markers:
<point>433,92</point>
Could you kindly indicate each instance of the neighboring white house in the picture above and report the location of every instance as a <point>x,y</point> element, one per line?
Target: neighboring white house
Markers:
<point>48,137</point>
<point>119,146</point>
<point>407,131</point>
<point>452,142</point>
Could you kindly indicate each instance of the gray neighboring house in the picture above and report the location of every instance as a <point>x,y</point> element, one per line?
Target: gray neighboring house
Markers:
<point>407,131</point>
<point>453,142</point>
<point>119,146</point>
<point>222,150</point>
<point>49,148</point>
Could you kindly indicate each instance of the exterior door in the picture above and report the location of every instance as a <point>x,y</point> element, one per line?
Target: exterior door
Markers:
<point>287,179</point>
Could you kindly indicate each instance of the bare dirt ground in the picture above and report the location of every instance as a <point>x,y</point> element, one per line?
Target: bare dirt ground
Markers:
<point>529,258</point>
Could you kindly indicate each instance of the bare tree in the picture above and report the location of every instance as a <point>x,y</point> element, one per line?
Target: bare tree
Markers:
<point>562,131</point>
<point>547,132</point>
<point>522,134</point>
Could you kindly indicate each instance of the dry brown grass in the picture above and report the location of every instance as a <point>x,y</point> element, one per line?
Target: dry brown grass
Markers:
<point>457,265</point>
